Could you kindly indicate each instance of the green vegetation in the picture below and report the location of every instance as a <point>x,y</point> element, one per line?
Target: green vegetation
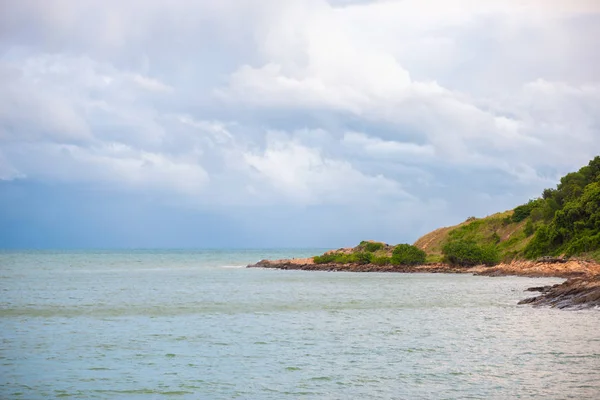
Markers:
<point>359,257</point>
<point>563,221</point>
<point>524,211</point>
<point>324,259</point>
<point>575,227</point>
<point>371,247</point>
<point>381,260</point>
<point>375,253</point>
<point>469,253</point>
<point>406,254</point>
<point>362,257</point>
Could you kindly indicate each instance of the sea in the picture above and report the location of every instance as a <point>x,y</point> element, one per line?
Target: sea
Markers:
<point>181,324</point>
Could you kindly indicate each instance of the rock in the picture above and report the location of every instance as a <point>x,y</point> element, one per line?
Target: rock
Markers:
<point>542,289</point>
<point>580,291</point>
<point>575,293</point>
<point>550,259</point>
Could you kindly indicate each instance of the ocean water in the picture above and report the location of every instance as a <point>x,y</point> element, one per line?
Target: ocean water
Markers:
<point>193,325</point>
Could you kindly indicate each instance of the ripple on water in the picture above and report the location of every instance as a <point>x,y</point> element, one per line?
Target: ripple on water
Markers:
<point>205,332</point>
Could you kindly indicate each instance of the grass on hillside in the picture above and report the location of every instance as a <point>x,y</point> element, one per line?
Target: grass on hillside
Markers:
<point>497,229</point>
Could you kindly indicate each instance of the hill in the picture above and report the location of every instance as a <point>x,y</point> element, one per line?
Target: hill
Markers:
<point>559,230</point>
<point>562,222</point>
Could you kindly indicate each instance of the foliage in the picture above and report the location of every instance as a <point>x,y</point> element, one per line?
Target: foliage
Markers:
<point>434,259</point>
<point>362,257</point>
<point>381,260</point>
<point>324,259</point>
<point>331,258</point>
<point>496,238</point>
<point>564,220</point>
<point>523,211</point>
<point>571,215</point>
<point>469,253</point>
<point>359,257</point>
<point>529,228</point>
<point>371,247</point>
<point>406,254</point>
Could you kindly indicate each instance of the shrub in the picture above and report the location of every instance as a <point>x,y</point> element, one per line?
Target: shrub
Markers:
<point>342,258</point>
<point>469,253</point>
<point>583,244</point>
<point>539,244</point>
<point>362,257</point>
<point>496,238</point>
<point>575,227</point>
<point>381,260</point>
<point>335,258</point>
<point>537,214</point>
<point>529,229</point>
<point>325,258</point>
<point>371,247</point>
<point>523,211</point>
<point>406,254</point>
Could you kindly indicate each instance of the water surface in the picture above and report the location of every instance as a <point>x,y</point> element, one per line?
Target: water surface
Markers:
<point>189,325</point>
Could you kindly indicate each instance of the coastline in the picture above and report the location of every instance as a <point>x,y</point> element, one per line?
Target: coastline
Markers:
<point>581,289</point>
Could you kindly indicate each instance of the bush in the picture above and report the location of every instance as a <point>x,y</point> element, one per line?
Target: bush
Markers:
<point>336,258</point>
<point>406,254</point>
<point>381,260</point>
<point>523,211</point>
<point>537,214</point>
<point>575,227</point>
<point>342,258</point>
<point>325,258</point>
<point>529,228</point>
<point>469,253</point>
<point>362,257</point>
<point>371,247</point>
<point>540,243</point>
<point>583,244</point>
<point>496,238</point>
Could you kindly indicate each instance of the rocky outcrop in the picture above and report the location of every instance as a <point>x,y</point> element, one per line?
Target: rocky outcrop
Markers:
<point>537,269</point>
<point>575,293</point>
<point>569,269</point>
<point>550,259</point>
<point>580,291</point>
<point>296,264</point>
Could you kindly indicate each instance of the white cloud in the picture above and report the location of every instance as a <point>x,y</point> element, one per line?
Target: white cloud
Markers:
<point>109,163</point>
<point>349,60</point>
<point>305,176</point>
<point>377,147</point>
<point>151,84</point>
<point>301,102</point>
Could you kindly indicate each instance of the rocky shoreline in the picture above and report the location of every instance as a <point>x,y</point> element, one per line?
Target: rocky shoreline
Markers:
<point>575,294</point>
<point>581,290</point>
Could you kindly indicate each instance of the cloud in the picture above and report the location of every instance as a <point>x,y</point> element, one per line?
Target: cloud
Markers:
<point>305,176</point>
<point>302,105</point>
<point>376,147</point>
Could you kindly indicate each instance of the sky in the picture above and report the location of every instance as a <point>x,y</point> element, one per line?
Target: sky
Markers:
<point>296,123</point>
